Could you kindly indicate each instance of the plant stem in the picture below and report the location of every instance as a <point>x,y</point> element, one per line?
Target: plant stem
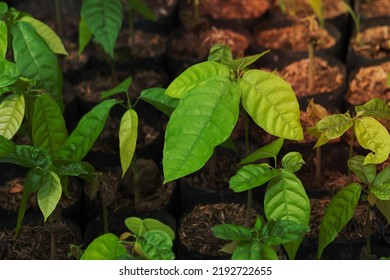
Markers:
<point>310,86</point>
<point>57,5</point>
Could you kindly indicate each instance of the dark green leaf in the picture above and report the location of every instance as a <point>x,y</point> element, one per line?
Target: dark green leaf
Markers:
<point>139,227</point>
<point>157,98</point>
<point>105,247</point>
<point>29,156</point>
<point>7,147</point>
<point>64,167</point>
<point>366,173</point>
<point>141,7</point>
<point>293,161</point>
<point>277,232</point>
<point>376,108</point>
<point>123,87</point>
<point>157,245</point>
<point>384,208</point>
<point>9,73</point>
<point>251,176</point>
<point>84,36</point>
<point>268,151</point>
<point>381,185</point>
<point>3,8</point>
<point>3,39</point>
<point>248,251</point>
<point>232,232</point>
<point>220,53</point>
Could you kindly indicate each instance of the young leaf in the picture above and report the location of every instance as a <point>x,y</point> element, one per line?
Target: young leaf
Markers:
<point>48,125</point>
<point>271,103</point>
<point>372,135</point>
<point>334,126</point>
<point>81,140</point>
<point>128,131</point>
<point>316,5</point>
<point>105,247</point>
<point>84,36</point>
<point>7,147</point>
<point>29,156</point>
<point>47,34</point>
<point>9,73</point>
<point>243,62</point>
<point>268,151</point>
<point>139,227</point>
<point>157,245</point>
<point>11,114</point>
<point>140,7</point>
<point>277,232</point>
<point>220,53</point>
<point>366,173</point>
<point>293,161</point>
<point>49,193</point>
<point>286,199</point>
<point>248,251</point>
<point>64,167</point>
<point>232,232</point>
<point>104,19</point>
<point>339,211</point>
<point>162,102</point>
<point>35,60</point>
<point>193,76</point>
<point>122,87</point>
<point>381,185</point>
<point>3,39</point>
<point>251,176</point>
<point>376,108</point>
<point>204,119</point>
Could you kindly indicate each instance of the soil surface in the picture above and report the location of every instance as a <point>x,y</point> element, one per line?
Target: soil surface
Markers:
<point>374,8</point>
<point>374,42</point>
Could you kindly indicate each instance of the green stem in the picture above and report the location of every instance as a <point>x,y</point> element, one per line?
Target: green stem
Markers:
<point>57,5</point>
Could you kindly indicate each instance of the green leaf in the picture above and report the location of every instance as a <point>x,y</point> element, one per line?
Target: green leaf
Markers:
<point>48,125</point>
<point>366,173</point>
<point>270,150</point>
<point>3,39</point>
<point>204,119</point>
<point>157,245</point>
<point>65,167</point>
<point>29,156</point>
<point>268,253</point>
<point>316,5</point>
<point>141,7</point>
<point>252,176</point>
<point>339,211</point>
<point>81,140</point>
<point>157,98</point>
<point>220,53</point>
<point>139,227</point>
<point>277,232</point>
<point>105,247</point>
<point>232,232</point>
<point>334,126</point>
<point>3,8</point>
<point>9,73</point>
<point>384,207</point>
<point>11,114</point>
<point>248,251</point>
<point>195,75</point>
<point>372,135</point>
<point>7,147</point>
<point>47,34</point>
<point>241,63</point>
<point>286,199</point>
<point>271,103</point>
<point>376,108</point>
<point>128,132</point>
<point>293,161</point>
<point>84,36</point>
<point>104,19</point>
<point>35,60</point>
<point>49,193</point>
<point>381,185</point>
<point>229,144</point>
<point>122,87</point>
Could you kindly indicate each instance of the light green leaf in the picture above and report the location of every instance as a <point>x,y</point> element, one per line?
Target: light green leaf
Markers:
<point>251,176</point>
<point>270,150</point>
<point>105,247</point>
<point>376,108</point>
<point>82,138</point>
<point>248,251</point>
<point>384,207</point>
<point>11,114</point>
<point>7,147</point>
<point>3,39</point>
<point>286,199</point>
<point>232,232</point>
<point>9,73</point>
<point>271,103</point>
<point>48,125</point>
<point>139,227</point>
<point>193,76</point>
<point>47,34</point>
<point>141,7</point>
<point>28,156</point>
<point>162,102</point>
<point>157,245</point>
<point>49,193</point>
<point>277,232</point>
<point>84,36</point>
<point>372,135</point>
<point>204,119</point>
<point>381,185</point>
<point>3,8</point>
<point>366,173</point>
<point>241,63</point>
<point>104,19</point>
<point>128,132</point>
<point>220,53</point>
<point>334,126</point>
<point>339,211</point>
<point>123,87</point>
<point>35,60</point>
<point>293,161</point>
